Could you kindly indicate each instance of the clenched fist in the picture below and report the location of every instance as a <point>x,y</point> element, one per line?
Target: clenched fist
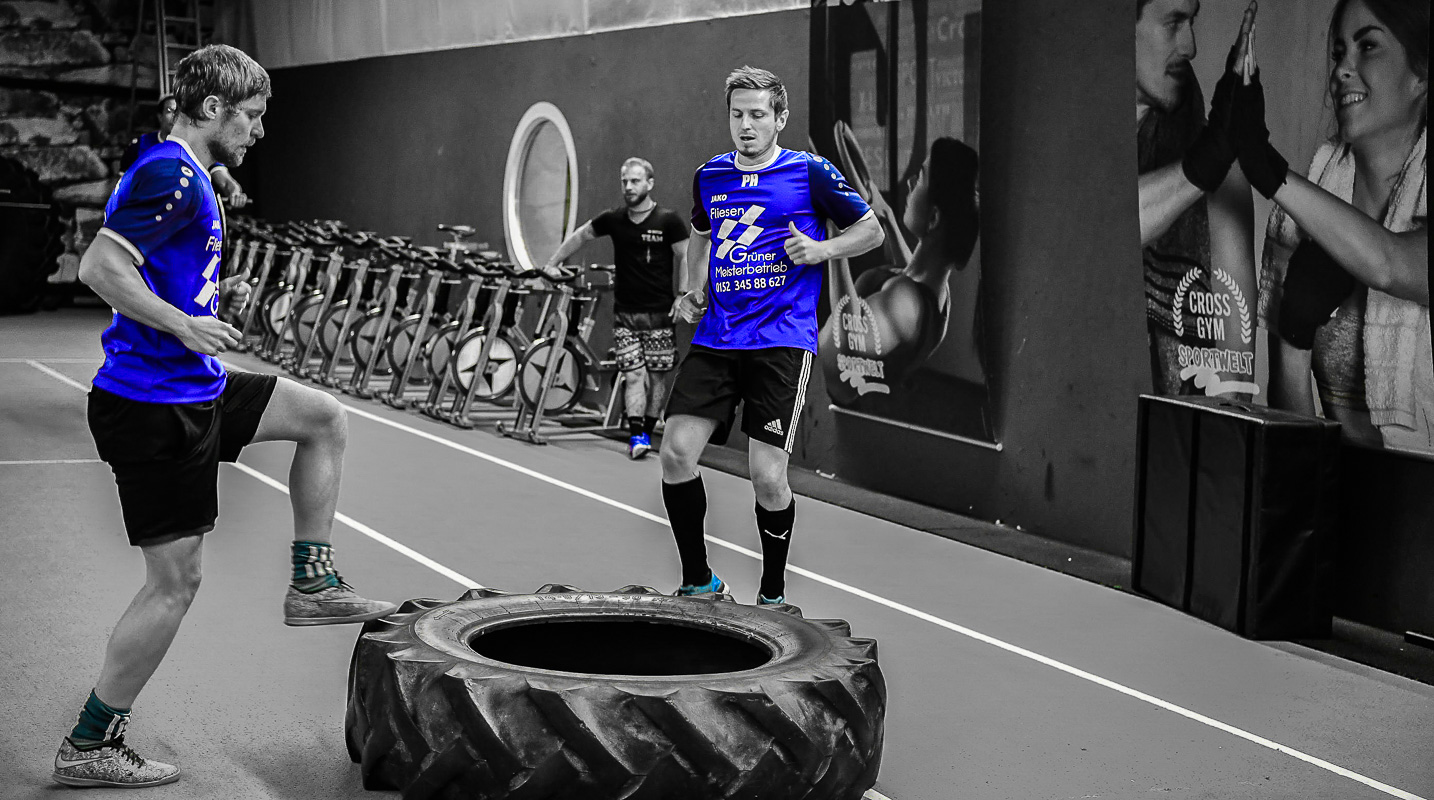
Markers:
<point>233,296</point>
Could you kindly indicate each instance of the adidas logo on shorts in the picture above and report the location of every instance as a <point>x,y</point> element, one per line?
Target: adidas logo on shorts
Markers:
<point>775,426</point>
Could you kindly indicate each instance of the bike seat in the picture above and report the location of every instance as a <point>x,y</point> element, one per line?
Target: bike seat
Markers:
<point>462,231</point>
<point>488,256</point>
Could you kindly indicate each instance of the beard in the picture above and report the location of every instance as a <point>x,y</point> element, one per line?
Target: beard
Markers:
<point>228,155</point>
<point>633,201</point>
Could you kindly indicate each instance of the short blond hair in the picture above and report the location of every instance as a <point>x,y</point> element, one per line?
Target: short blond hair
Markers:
<point>640,162</point>
<point>761,80</point>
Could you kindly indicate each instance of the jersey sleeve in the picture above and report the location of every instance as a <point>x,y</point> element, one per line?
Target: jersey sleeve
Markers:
<point>674,230</point>
<point>699,212</point>
<point>602,223</point>
<point>129,156</point>
<point>832,195</point>
<point>159,201</point>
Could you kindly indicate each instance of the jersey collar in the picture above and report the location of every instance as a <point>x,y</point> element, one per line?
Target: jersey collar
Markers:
<point>776,154</point>
<point>190,151</point>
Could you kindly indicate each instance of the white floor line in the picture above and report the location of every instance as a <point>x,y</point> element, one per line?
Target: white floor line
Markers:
<point>95,361</point>
<point>862,593</point>
<point>399,547</point>
<point>872,794</point>
<point>922,615</point>
<point>32,462</point>
<point>56,375</point>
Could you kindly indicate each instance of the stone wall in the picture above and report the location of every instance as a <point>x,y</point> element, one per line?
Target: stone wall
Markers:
<point>68,71</point>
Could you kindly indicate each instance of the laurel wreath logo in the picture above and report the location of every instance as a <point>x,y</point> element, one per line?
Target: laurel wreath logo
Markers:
<point>1246,334</point>
<point>1228,280</point>
<point>1179,300</point>
<point>864,312</point>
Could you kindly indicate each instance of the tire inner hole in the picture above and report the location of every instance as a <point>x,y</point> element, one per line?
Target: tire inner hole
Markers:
<point>620,647</point>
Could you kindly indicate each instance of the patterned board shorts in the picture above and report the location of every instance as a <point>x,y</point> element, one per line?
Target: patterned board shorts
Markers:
<point>644,338</point>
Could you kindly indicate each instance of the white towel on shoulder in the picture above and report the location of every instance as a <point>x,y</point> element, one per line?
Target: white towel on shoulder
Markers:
<point>1398,363</point>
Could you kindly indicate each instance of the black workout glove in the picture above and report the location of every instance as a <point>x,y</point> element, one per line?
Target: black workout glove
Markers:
<point>1315,286</point>
<point>1262,164</point>
<point>1209,157</point>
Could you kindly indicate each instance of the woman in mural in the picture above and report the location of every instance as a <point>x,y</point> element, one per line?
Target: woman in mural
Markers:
<point>1345,284</point>
<point>880,330</point>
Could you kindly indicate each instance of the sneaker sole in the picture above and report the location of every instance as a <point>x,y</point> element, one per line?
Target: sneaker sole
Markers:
<point>300,622</point>
<point>69,781</point>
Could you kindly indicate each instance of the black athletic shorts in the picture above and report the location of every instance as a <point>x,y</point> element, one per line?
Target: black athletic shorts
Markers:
<point>770,383</point>
<point>165,456</point>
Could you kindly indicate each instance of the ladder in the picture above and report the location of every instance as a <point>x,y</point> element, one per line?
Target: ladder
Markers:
<point>175,37</point>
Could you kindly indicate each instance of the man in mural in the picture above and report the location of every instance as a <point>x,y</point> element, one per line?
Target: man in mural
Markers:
<point>165,412</point>
<point>649,252</point>
<point>224,184</point>
<point>756,258</point>
<point>1196,216</point>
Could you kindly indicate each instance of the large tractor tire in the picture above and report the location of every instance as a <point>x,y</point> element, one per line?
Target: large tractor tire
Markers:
<point>632,695</point>
<point>30,238</point>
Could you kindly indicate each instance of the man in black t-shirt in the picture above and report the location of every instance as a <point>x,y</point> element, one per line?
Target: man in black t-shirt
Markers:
<point>648,250</point>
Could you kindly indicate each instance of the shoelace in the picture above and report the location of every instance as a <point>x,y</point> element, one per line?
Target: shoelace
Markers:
<point>126,753</point>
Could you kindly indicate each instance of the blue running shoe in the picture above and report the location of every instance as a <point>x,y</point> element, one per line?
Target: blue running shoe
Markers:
<point>637,446</point>
<point>714,586</point>
<point>764,601</point>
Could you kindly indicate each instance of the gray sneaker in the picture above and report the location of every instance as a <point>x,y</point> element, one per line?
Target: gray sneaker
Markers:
<point>333,606</point>
<point>110,764</point>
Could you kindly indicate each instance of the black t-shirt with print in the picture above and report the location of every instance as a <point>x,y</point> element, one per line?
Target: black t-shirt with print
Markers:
<point>642,253</point>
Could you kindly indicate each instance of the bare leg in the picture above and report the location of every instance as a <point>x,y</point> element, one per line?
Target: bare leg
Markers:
<point>634,391</point>
<point>143,634</point>
<point>768,465</point>
<point>318,424</point>
<point>682,446</point>
<point>658,385</point>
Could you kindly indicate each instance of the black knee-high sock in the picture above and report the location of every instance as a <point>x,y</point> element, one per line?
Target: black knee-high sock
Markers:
<point>634,425</point>
<point>649,424</point>
<point>686,504</point>
<point>775,531</point>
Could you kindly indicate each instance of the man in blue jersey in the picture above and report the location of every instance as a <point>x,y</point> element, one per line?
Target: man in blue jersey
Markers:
<point>164,412</point>
<point>755,267</point>
<point>224,184</point>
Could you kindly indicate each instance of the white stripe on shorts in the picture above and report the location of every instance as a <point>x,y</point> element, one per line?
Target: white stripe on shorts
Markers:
<point>801,399</point>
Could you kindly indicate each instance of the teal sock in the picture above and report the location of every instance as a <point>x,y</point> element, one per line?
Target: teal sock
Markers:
<point>98,723</point>
<point>314,567</point>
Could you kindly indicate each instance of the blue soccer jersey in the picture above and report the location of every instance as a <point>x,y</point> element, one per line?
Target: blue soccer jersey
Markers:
<point>756,297</point>
<point>164,213</point>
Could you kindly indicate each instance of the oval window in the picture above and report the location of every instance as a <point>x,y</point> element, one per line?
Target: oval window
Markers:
<point>540,186</point>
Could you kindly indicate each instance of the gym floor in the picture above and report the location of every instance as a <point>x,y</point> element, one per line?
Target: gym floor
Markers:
<point>1005,679</point>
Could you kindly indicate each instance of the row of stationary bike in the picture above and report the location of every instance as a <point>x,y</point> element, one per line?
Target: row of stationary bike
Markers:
<point>436,329</point>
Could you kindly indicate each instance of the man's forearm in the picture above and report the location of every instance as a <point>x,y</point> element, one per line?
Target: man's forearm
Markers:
<point>1165,194</point>
<point>863,236</point>
<point>698,247</point>
<point>679,268</point>
<point>108,269</point>
<point>570,245</point>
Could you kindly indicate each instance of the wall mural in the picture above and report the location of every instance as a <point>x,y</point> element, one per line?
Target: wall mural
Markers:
<point>895,104</point>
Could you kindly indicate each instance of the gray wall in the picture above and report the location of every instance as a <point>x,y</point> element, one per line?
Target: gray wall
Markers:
<point>402,143</point>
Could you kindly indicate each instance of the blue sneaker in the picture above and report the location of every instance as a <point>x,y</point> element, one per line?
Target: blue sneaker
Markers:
<point>776,601</point>
<point>714,586</point>
<point>637,446</point>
